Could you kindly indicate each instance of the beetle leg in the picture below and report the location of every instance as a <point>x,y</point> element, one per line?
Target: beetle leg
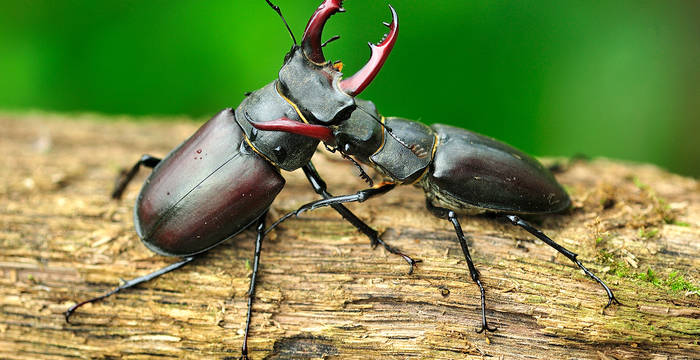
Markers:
<point>251,291</point>
<point>473,272</point>
<point>572,256</point>
<point>126,176</point>
<point>359,196</point>
<point>320,187</point>
<point>130,283</point>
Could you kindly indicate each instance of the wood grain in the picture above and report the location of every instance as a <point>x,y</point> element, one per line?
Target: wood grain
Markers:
<point>323,292</point>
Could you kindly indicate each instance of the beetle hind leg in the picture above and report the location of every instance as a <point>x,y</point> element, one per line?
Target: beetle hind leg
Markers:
<point>130,283</point>
<point>126,176</point>
<point>572,256</point>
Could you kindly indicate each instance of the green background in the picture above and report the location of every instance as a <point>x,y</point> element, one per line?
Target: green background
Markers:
<point>600,78</point>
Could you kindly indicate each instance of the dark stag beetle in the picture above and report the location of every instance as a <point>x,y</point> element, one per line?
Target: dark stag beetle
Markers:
<point>461,172</point>
<point>224,178</point>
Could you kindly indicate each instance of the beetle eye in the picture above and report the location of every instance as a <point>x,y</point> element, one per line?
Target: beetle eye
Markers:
<point>345,113</point>
<point>287,56</point>
<point>280,153</point>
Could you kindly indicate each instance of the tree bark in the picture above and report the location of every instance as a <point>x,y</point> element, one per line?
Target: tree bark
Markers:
<point>322,291</point>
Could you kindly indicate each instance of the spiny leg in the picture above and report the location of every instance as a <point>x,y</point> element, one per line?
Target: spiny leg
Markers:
<point>320,187</point>
<point>572,256</point>
<point>126,176</point>
<point>251,291</point>
<point>473,272</point>
<point>130,283</point>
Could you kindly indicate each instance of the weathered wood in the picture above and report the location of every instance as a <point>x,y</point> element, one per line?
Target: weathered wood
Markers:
<point>323,292</point>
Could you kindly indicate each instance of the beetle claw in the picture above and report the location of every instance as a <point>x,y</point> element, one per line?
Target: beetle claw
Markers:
<point>311,41</point>
<point>487,328</point>
<point>612,300</point>
<point>379,53</point>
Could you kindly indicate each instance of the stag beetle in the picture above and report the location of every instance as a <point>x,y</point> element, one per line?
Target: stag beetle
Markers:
<point>224,178</point>
<point>461,172</point>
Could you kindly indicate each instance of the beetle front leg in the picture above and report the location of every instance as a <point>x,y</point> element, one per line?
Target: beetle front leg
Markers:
<point>126,176</point>
<point>320,187</point>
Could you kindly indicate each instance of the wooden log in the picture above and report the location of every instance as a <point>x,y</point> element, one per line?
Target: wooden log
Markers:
<point>323,292</point>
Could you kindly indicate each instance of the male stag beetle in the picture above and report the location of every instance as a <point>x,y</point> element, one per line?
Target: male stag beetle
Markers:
<point>223,178</point>
<point>461,172</point>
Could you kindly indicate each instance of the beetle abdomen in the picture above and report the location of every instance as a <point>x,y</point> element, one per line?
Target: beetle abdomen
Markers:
<point>473,173</point>
<point>206,190</point>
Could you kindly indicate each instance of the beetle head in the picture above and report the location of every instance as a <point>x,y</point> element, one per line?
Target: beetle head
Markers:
<point>360,135</point>
<point>314,84</point>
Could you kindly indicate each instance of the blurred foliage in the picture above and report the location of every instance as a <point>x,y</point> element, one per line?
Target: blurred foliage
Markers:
<point>601,78</point>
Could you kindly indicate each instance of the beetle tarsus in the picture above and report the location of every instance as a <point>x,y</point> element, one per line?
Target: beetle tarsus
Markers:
<point>570,255</point>
<point>484,324</point>
<point>411,262</point>
<point>128,284</point>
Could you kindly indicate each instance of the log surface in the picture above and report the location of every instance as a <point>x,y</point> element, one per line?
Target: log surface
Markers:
<point>323,292</point>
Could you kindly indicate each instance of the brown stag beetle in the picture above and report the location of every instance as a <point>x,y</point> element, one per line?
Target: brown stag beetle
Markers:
<point>223,179</point>
<point>461,172</point>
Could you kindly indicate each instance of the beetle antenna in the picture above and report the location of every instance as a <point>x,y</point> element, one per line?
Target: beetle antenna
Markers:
<point>363,174</point>
<point>277,9</point>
